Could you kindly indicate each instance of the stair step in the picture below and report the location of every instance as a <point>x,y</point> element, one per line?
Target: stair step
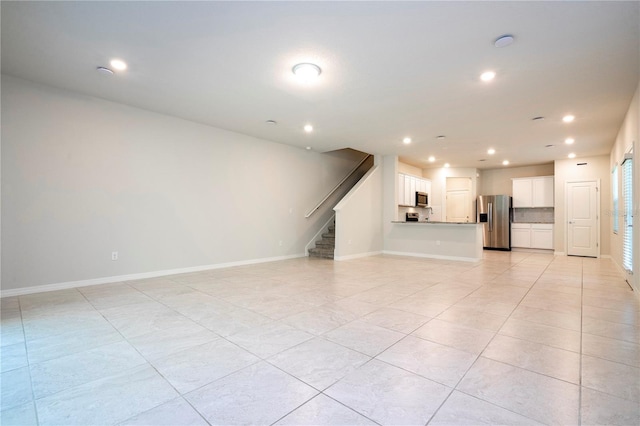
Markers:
<point>326,244</point>
<point>321,252</point>
<point>329,236</point>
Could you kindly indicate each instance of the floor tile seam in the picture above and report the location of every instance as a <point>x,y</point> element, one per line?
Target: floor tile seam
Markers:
<point>636,401</point>
<point>609,322</point>
<point>522,299</point>
<point>24,343</point>
<point>28,366</point>
<point>184,394</point>
<point>346,406</point>
<point>444,401</point>
<point>539,343</point>
<point>530,371</point>
<point>31,393</point>
<point>490,403</point>
<point>299,406</point>
<point>412,372</point>
<point>360,352</point>
<point>635,367</point>
<point>461,325</point>
<point>145,364</point>
<point>268,356</point>
<point>453,347</point>
<point>309,384</point>
<point>584,333</point>
<point>79,351</point>
<point>166,402</point>
<point>35,401</point>
<point>580,372</point>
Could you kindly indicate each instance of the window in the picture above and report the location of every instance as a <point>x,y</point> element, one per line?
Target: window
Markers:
<point>614,192</point>
<point>627,197</point>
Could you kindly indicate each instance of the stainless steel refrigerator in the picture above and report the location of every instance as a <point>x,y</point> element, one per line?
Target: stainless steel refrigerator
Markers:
<point>494,212</point>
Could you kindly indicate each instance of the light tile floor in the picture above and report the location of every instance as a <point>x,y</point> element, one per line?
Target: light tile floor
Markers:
<point>518,338</point>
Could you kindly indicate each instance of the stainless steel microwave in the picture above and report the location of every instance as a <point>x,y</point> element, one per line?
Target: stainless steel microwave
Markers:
<point>422,199</point>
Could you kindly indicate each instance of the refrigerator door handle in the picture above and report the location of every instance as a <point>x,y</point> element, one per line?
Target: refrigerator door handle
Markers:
<point>490,214</point>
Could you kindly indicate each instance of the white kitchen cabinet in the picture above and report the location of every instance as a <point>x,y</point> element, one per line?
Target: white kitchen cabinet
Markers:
<point>409,196</point>
<point>407,187</point>
<point>522,193</point>
<point>542,191</point>
<point>532,192</point>
<point>521,235</point>
<point>532,235</point>
<point>542,236</point>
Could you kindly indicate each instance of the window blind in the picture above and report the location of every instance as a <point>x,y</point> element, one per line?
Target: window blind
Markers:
<point>627,196</point>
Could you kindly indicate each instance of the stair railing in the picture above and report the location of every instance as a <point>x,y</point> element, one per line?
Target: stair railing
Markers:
<point>312,211</point>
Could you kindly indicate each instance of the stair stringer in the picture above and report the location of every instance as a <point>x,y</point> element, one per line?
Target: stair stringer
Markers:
<point>324,229</point>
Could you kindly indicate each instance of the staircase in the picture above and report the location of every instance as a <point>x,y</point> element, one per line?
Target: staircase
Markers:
<point>325,247</point>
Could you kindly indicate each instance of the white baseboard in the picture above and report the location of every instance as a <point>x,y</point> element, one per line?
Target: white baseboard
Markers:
<point>139,276</point>
<point>433,256</point>
<point>357,256</point>
<point>532,250</point>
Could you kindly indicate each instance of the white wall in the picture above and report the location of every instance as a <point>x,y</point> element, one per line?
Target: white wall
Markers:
<point>408,169</point>
<point>628,137</point>
<point>82,177</point>
<point>359,218</point>
<point>498,181</point>
<point>435,240</point>
<point>568,170</point>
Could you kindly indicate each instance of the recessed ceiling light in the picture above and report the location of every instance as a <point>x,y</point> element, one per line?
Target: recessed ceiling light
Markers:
<point>504,40</point>
<point>308,128</point>
<point>118,64</point>
<point>306,71</point>
<point>104,70</point>
<point>569,141</point>
<point>441,137</point>
<point>538,118</point>
<point>406,141</point>
<point>491,151</point>
<point>572,155</point>
<point>487,76</point>
<point>447,165</point>
<point>505,163</point>
<point>271,122</point>
<point>432,159</point>
<point>308,148</point>
<point>568,118</point>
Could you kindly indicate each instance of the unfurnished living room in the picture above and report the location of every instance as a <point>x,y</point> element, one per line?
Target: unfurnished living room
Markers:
<point>320,213</point>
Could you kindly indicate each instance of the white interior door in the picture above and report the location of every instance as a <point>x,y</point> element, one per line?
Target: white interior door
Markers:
<point>582,214</point>
<point>459,208</point>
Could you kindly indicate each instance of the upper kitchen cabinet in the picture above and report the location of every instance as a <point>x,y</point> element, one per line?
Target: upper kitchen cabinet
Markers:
<point>533,192</point>
<point>408,186</point>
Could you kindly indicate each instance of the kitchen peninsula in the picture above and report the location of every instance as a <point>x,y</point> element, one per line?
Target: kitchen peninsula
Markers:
<point>438,240</point>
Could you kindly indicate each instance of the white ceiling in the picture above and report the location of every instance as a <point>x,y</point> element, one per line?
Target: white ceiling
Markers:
<point>389,70</point>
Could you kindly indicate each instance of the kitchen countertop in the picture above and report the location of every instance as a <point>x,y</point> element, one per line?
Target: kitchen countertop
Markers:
<point>424,222</point>
<point>529,221</point>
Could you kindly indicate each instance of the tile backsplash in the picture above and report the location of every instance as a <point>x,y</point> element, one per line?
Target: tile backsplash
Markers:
<point>537,215</point>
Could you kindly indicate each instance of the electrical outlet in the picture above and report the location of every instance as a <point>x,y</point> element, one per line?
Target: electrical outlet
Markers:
<point>114,255</point>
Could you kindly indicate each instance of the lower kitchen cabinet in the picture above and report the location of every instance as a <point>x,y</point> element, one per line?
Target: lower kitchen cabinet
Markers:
<point>532,235</point>
<point>520,235</point>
